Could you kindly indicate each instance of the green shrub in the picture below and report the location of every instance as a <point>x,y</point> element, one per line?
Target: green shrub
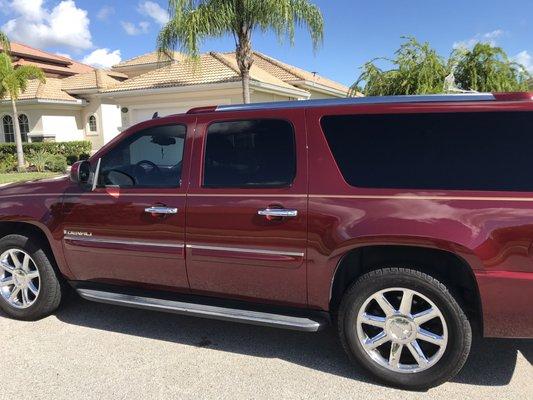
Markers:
<point>65,149</point>
<point>39,160</point>
<point>8,163</point>
<point>71,159</point>
<point>56,163</point>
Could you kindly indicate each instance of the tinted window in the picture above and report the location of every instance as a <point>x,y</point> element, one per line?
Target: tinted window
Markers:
<point>254,153</point>
<point>149,158</point>
<point>475,151</point>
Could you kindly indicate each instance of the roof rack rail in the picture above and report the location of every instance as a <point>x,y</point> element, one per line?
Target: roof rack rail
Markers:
<point>433,98</point>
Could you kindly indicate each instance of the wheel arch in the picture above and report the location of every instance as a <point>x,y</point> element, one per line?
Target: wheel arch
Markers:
<point>40,232</point>
<point>450,268</point>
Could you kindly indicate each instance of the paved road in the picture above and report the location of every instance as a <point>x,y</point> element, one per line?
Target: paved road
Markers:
<point>89,350</point>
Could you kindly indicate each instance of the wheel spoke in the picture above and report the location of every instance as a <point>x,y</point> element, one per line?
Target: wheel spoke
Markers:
<point>25,298</point>
<point>407,301</point>
<point>373,320</point>
<point>6,281</point>
<point>26,263</point>
<point>395,354</point>
<point>387,308</point>
<point>425,316</point>
<point>376,341</point>
<point>32,274</point>
<point>15,259</point>
<point>33,289</point>
<point>430,337</point>
<point>417,353</point>
<point>6,267</point>
<point>14,294</point>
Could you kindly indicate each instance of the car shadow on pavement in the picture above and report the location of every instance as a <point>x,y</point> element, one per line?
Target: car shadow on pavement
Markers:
<point>492,361</point>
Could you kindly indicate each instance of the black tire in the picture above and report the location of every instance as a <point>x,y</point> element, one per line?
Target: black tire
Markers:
<point>51,288</point>
<point>459,329</point>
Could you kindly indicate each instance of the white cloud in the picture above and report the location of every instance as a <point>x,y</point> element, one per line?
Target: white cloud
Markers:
<point>488,37</point>
<point>105,12</point>
<point>64,25</point>
<point>132,29</point>
<point>525,59</point>
<point>103,58</point>
<point>154,11</point>
<point>64,55</point>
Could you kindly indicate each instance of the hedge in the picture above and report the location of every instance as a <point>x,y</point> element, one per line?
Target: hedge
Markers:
<point>72,151</point>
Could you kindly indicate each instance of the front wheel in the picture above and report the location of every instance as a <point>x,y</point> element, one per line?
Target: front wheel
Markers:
<point>405,328</point>
<point>29,286</point>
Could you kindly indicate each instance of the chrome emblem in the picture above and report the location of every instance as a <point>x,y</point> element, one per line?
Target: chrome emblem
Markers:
<point>77,233</point>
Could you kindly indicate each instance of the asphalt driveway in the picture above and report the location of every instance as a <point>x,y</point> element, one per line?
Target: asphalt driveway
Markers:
<point>94,351</point>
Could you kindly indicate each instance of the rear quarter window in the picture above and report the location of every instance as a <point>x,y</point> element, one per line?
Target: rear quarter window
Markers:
<point>450,151</point>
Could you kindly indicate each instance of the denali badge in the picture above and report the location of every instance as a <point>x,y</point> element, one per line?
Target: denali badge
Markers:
<point>77,233</point>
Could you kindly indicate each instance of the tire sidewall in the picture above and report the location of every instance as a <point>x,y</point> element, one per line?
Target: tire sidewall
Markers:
<point>459,333</point>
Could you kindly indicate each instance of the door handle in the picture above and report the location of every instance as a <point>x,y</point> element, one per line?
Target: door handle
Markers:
<point>278,212</point>
<point>161,210</point>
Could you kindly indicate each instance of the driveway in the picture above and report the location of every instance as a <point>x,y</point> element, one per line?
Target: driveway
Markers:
<point>89,350</point>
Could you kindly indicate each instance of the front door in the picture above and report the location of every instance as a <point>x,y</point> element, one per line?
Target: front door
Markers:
<point>131,228</point>
<point>247,208</point>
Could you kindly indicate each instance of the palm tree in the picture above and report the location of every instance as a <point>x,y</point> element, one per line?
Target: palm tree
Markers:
<point>4,42</point>
<point>13,82</point>
<point>194,20</point>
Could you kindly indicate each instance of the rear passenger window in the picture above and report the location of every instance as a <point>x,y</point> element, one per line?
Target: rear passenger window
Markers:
<point>250,153</point>
<point>462,151</point>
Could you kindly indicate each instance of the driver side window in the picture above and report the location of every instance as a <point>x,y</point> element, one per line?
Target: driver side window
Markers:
<point>149,158</point>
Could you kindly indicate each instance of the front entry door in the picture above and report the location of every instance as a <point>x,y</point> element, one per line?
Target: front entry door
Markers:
<point>247,208</point>
<point>131,228</point>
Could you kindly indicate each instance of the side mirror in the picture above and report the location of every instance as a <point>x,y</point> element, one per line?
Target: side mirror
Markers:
<point>80,172</point>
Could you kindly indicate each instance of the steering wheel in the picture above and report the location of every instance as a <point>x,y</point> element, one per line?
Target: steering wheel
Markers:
<point>148,166</point>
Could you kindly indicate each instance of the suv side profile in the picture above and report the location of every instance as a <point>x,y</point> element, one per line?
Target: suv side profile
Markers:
<point>406,222</point>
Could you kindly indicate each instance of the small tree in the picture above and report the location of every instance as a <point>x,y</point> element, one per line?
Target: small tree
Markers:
<point>486,68</point>
<point>4,42</point>
<point>417,69</point>
<point>13,82</point>
<point>194,20</point>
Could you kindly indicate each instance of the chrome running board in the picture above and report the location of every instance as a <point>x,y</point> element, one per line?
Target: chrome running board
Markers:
<point>205,311</point>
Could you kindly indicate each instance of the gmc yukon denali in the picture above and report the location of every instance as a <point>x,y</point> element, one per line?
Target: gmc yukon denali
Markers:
<point>406,222</point>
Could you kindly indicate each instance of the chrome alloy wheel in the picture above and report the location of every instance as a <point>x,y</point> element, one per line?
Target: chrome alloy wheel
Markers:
<point>20,281</point>
<point>402,330</point>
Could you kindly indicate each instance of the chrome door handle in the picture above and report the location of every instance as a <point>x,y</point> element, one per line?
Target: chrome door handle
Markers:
<point>161,210</point>
<point>277,212</point>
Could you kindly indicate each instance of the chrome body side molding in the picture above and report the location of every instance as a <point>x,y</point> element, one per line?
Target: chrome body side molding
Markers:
<point>128,242</point>
<point>243,250</point>
<point>204,311</point>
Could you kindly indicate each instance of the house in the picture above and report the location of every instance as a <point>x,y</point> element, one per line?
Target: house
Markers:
<point>79,102</point>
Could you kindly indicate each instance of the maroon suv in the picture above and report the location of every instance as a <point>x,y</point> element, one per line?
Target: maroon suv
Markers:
<point>406,221</point>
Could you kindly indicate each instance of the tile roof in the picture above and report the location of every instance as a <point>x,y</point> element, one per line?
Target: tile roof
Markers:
<point>150,58</point>
<point>97,79</point>
<point>50,90</point>
<point>208,68</point>
<point>52,63</point>
<point>289,73</point>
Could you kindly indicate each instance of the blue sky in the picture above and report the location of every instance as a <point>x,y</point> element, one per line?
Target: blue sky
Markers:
<point>106,31</point>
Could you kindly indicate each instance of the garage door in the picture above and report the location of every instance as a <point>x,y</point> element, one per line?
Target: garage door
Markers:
<point>144,114</point>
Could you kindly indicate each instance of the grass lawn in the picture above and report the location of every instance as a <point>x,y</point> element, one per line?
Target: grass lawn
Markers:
<point>25,176</point>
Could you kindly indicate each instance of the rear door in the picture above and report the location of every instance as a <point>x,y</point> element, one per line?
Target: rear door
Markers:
<point>247,207</point>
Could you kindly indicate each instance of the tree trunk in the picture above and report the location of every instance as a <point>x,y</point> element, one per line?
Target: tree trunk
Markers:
<point>246,86</point>
<point>245,60</point>
<point>18,137</point>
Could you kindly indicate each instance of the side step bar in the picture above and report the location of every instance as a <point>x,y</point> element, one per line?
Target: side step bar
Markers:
<point>205,311</point>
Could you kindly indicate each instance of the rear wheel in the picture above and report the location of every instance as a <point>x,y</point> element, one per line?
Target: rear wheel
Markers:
<point>405,328</point>
<point>29,286</point>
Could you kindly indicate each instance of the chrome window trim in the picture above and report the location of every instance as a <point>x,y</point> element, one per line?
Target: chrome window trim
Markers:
<point>360,100</point>
<point>121,241</point>
<point>244,250</point>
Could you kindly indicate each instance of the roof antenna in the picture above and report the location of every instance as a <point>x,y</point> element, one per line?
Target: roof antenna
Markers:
<point>156,115</point>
